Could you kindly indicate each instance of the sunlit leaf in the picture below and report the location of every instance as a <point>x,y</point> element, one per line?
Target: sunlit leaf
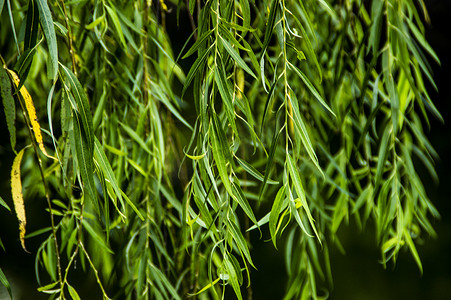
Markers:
<point>17,195</point>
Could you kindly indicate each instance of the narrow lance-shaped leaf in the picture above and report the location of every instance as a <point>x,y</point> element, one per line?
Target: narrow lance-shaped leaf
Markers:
<point>73,293</point>
<point>254,172</point>
<point>311,87</point>
<point>300,192</point>
<point>236,57</point>
<point>117,25</point>
<point>301,129</point>
<point>226,94</point>
<point>9,106</point>
<point>31,33</point>
<point>195,67</point>
<point>82,107</point>
<point>200,41</point>
<point>3,278</point>
<point>240,241</point>
<point>85,160</point>
<point>275,212</point>
<point>1,8</point>
<point>31,111</point>
<point>109,175</point>
<point>3,203</point>
<point>221,153</point>
<point>16,191</point>
<point>49,31</point>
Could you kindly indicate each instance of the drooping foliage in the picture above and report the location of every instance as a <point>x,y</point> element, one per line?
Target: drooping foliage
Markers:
<point>304,113</point>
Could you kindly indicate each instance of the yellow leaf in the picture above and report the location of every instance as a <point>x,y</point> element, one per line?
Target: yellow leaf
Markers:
<point>31,113</point>
<point>16,191</point>
<point>196,157</point>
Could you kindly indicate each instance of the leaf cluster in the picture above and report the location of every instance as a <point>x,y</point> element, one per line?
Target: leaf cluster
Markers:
<point>307,113</point>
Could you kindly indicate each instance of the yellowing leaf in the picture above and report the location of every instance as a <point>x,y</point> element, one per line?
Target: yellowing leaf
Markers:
<point>16,191</point>
<point>196,157</point>
<point>31,113</point>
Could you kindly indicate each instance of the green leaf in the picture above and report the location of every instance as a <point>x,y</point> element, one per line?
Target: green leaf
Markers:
<point>3,278</point>
<point>270,24</point>
<point>85,161</point>
<point>375,31</point>
<point>277,207</point>
<point>31,35</point>
<point>23,65</point>
<point>303,133</point>
<point>226,94</point>
<point>383,154</point>
<point>236,57</point>
<point>49,31</point>
<point>8,106</point>
<point>239,197</point>
<point>413,249</point>
<point>240,241</point>
<point>294,174</point>
<point>3,203</point>
<point>200,41</point>
<point>221,152</point>
<point>254,172</point>
<point>73,293</point>
<point>233,275</point>
<point>192,4</point>
<point>107,171</point>
<point>195,67</point>
<point>82,107</point>
<point>96,236</point>
<point>421,39</point>
<point>117,25</point>
<point>311,88</point>
<point>132,133</point>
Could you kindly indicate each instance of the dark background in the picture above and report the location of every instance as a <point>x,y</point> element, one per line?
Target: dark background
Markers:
<point>358,274</point>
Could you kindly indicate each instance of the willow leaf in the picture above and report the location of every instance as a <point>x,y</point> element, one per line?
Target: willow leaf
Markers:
<point>294,174</point>
<point>200,41</point>
<point>49,31</point>
<point>135,136</point>
<point>16,191</point>
<point>238,195</point>
<point>9,106</point>
<point>3,203</point>
<point>270,24</point>
<point>240,241</point>
<point>383,154</point>
<point>3,278</point>
<point>221,153</point>
<point>311,87</point>
<point>117,25</point>
<point>31,111</point>
<point>276,209</point>
<point>96,236</point>
<point>82,107</point>
<point>236,57</point>
<point>105,166</point>
<point>254,172</point>
<point>72,292</point>
<point>31,34</point>
<point>195,67</point>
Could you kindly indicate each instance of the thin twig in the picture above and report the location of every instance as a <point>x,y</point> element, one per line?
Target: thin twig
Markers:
<point>46,190</point>
<point>191,20</point>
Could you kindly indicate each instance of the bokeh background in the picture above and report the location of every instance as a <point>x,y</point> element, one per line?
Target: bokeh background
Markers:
<point>357,274</point>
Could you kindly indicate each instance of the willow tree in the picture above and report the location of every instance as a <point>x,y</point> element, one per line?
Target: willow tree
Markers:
<point>304,113</point>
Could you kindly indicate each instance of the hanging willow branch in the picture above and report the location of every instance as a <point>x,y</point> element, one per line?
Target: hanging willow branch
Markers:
<point>307,113</point>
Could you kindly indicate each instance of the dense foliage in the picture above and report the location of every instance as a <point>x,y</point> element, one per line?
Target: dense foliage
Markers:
<point>304,113</point>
